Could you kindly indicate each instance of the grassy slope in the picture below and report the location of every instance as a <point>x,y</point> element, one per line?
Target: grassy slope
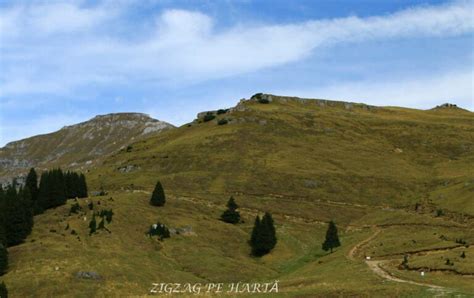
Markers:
<point>329,162</point>
<point>130,262</point>
<point>366,155</point>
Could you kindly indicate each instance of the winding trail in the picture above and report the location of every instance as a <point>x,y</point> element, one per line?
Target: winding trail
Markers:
<point>376,265</point>
<point>353,251</point>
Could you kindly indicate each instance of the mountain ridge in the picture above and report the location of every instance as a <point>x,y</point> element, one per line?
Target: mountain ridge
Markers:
<point>78,145</point>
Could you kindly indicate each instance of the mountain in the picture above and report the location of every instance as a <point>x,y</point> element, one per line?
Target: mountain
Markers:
<point>78,146</point>
<point>309,148</point>
<point>397,182</point>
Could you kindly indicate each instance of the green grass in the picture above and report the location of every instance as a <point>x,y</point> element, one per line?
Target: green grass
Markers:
<point>216,252</point>
<point>378,156</point>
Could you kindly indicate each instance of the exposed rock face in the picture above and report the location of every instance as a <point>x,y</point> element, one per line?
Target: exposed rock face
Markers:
<point>77,146</point>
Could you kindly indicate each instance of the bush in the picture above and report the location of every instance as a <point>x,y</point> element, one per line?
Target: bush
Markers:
<point>222,111</point>
<point>75,208</point>
<point>263,100</point>
<point>159,230</point>
<point>222,122</point>
<point>208,117</point>
<point>129,148</point>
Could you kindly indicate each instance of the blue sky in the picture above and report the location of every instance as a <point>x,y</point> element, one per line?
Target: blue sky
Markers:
<point>62,62</point>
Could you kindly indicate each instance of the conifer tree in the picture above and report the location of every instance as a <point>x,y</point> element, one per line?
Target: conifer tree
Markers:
<point>3,291</point>
<point>263,238</point>
<point>27,207</point>
<point>332,239</point>
<point>92,225</point>
<point>231,215</point>
<point>82,186</point>
<point>158,196</point>
<point>31,184</point>
<point>16,221</point>
<point>3,259</point>
<point>3,232</point>
<point>255,237</point>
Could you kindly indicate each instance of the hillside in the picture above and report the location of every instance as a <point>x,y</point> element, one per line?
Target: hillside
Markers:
<point>312,149</point>
<point>397,182</point>
<point>77,146</point>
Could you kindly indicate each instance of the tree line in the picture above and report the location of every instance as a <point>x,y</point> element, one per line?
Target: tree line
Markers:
<point>18,204</point>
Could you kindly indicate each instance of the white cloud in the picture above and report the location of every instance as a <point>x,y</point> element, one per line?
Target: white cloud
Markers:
<point>60,47</point>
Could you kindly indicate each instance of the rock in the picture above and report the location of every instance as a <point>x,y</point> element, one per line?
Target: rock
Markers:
<point>88,275</point>
<point>128,168</point>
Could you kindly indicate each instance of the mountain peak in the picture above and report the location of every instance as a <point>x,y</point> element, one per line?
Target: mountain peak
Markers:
<point>80,145</point>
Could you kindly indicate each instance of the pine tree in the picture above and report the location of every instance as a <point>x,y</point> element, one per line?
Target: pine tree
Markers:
<point>231,215</point>
<point>158,196</point>
<point>255,237</point>
<point>43,193</point>
<point>32,184</point>
<point>3,259</point>
<point>332,239</point>
<point>92,225</point>
<point>27,207</point>
<point>263,238</point>
<point>3,291</point>
<point>82,186</point>
<point>16,221</point>
<point>3,231</point>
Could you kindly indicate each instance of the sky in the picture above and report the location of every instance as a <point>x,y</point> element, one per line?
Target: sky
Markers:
<point>63,62</point>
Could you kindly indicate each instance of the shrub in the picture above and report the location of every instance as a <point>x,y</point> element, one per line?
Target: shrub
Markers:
<point>222,111</point>
<point>75,208</point>
<point>263,100</point>
<point>129,148</point>
<point>159,230</point>
<point>222,122</point>
<point>208,117</point>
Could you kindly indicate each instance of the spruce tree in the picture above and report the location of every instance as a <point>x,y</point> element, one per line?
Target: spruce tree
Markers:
<point>263,238</point>
<point>332,239</point>
<point>16,221</point>
<point>27,207</point>
<point>3,231</point>
<point>269,231</point>
<point>43,193</point>
<point>31,184</point>
<point>231,215</point>
<point>82,186</point>
<point>3,291</point>
<point>3,259</point>
<point>92,225</point>
<point>158,196</point>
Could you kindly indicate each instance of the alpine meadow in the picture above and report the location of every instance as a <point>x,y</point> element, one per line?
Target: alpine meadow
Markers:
<point>365,192</point>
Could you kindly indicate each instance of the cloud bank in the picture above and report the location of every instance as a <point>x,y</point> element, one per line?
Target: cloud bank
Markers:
<point>58,48</point>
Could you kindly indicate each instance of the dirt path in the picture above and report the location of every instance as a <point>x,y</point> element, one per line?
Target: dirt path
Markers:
<point>353,251</point>
<point>375,265</point>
